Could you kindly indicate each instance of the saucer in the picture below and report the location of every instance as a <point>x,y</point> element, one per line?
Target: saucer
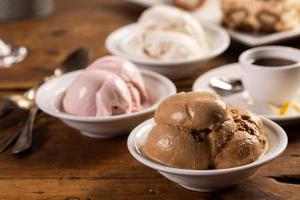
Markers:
<point>243,98</point>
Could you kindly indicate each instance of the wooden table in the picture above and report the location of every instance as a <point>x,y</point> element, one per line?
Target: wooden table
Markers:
<point>63,164</point>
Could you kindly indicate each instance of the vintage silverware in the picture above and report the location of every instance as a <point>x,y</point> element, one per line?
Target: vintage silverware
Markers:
<point>26,101</point>
<point>7,107</point>
<point>77,60</point>
<point>226,86</point>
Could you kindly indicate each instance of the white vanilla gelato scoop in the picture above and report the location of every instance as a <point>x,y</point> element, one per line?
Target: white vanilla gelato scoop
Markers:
<point>168,18</point>
<point>166,33</point>
<point>164,45</point>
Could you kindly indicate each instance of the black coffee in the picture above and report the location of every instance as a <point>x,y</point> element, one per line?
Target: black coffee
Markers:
<point>273,62</point>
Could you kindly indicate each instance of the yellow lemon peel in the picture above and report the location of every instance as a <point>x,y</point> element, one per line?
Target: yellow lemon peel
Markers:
<point>288,104</point>
<point>284,108</point>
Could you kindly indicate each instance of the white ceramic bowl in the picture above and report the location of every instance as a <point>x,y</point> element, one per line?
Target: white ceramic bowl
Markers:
<point>49,96</point>
<point>208,180</point>
<point>218,40</point>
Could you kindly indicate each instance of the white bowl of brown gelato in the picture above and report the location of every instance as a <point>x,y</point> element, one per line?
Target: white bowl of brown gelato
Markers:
<point>202,144</point>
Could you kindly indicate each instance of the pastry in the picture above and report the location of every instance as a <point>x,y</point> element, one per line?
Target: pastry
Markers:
<point>261,15</point>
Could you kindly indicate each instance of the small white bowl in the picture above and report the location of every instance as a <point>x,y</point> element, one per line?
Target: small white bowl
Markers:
<point>208,180</point>
<point>50,94</point>
<point>218,40</point>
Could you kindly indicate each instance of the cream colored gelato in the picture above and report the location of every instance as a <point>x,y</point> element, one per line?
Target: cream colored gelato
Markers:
<point>196,130</point>
<point>166,33</point>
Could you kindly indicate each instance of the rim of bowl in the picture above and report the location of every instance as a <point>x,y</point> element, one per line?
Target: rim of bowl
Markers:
<point>244,61</point>
<point>283,139</point>
<point>113,49</point>
<point>65,116</point>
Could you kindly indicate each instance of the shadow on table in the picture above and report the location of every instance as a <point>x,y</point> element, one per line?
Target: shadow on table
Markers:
<point>293,132</point>
<point>56,144</point>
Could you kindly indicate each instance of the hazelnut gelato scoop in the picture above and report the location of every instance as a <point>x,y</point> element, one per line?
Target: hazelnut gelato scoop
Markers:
<point>238,141</point>
<point>197,130</point>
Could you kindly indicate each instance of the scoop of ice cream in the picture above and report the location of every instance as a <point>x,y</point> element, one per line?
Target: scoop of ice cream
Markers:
<point>196,130</point>
<point>97,93</point>
<point>109,86</point>
<point>129,73</point>
<point>193,110</point>
<point>238,141</point>
<point>166,33</point>
<point>176,146</point>
<point>169,18</point>
<point>163,45</point>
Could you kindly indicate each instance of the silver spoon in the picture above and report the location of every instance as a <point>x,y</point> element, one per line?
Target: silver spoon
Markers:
<point>77,60</point>
<point>26,102</point>
<point>226,86</point>
<point>10,54</point>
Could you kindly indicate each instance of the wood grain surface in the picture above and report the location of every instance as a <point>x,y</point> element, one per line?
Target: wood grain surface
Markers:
<point>63,164</point>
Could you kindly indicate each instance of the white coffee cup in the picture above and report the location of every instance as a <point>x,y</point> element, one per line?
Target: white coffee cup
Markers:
<point>272,84</point>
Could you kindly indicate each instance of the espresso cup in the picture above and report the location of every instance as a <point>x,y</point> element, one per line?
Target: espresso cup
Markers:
<point>271,83</point>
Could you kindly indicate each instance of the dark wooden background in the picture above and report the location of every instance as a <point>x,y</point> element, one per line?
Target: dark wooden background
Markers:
<point>63,164</point>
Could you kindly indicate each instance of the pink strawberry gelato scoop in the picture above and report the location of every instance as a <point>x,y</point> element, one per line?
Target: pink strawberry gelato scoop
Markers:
<point>109,86</point>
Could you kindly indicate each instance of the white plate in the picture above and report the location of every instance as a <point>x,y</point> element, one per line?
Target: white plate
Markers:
<point>208,180</point>
<point>255,39</point>
<point>211,12</point>
<point>243,99</point>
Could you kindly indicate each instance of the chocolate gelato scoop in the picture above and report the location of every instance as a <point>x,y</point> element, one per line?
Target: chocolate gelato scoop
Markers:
<point>193,110</point>
<point>196,130</point>
<point>176,146</point>
<point>238,141</point>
